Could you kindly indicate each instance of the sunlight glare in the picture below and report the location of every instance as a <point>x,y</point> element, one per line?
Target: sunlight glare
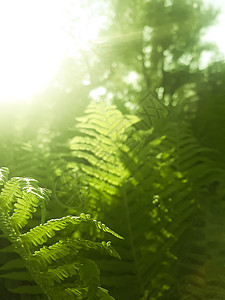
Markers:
<point>214,34</point>
<point>34,39</point>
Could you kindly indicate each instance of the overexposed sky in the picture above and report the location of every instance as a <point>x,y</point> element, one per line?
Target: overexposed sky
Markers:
<point>34,40</point>
<point>216,32</point>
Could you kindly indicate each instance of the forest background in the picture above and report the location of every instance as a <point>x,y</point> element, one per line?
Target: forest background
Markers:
<point>132,133</point>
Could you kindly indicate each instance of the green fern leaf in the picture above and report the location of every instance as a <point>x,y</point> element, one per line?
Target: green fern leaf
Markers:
<point>4,172</point>
<point>89,272</point>
<point>9,193</point>
<point>13,264</point>
<point>103,294</point>
<point>65,271</point>
<point>99,225</point>
<point>40,234</point>
<point>60,261</point>
<point>90,275</point>
<point>24,208</point>
<point>46,255</point>
<point>69,248</point>
<point>74,293</point>
<point>27,290</point>
<point>18,275</point>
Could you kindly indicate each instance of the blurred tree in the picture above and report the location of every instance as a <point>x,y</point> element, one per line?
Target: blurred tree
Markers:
<point>153,45</point>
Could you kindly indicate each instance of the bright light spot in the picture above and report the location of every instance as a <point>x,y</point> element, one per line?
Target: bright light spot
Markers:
<point>97,93</point>
<point>132,78</point>
<point>35,37</point>
<point>86,24</point>
<point>216,32</point>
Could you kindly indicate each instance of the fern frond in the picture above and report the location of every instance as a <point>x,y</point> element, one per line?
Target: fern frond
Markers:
<point>69,248</point>
<point>99,225</point>
<point>154,199</point>
<point>106,120</point>
<point>27,289</point>
<point>69,293</point>
<point>24,208</point>
<point>103,131</point>
<point>64,271</point>
<point>90,275</point>
<point>4,172</point>
<point>40,234</point>
<point>54,263</point>
<point>47,255</point>
<point>103,294</point>
<point>18,275</point>
<point>9,193</point>
<point>13,264</point>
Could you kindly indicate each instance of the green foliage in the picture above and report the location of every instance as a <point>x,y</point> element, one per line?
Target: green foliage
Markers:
<point>158,197</point>
<point>147,159</point>
<point>162,187</point>
<point>59,267</point>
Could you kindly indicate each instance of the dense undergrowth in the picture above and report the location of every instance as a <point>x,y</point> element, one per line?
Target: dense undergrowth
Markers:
<point>137,176</point>
<point>161,188</point>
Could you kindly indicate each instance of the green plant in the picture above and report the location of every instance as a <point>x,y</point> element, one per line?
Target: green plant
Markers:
<point>60,266</point>
<point>162,189</point>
